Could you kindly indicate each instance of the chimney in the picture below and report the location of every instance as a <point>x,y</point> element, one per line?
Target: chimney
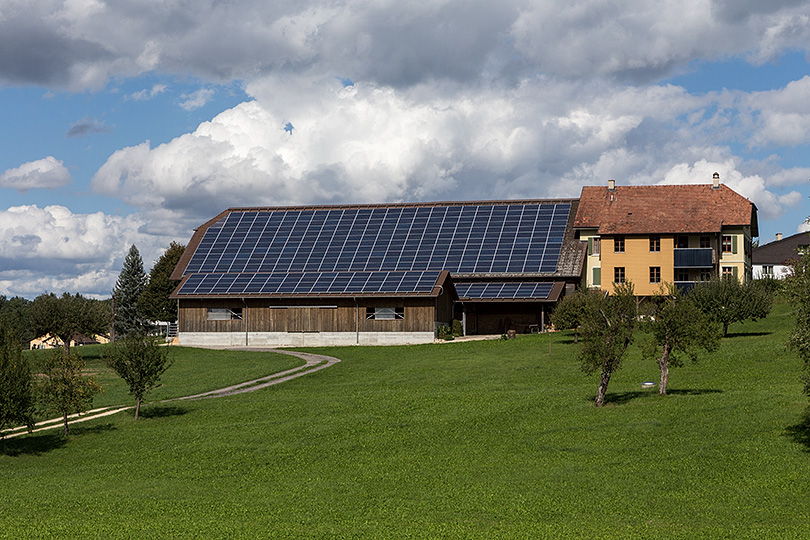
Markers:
<point>778,236</point>
<point>611,185</point>
<point>715,180</point>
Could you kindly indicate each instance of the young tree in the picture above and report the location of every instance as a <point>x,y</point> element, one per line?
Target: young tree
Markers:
<point>727,301</point>
<point>67,315</point>
<point>155,303</point>
<point>797,286</point>
<point>607,331</point>
<point>570,311</point>
<point>64,388</point>
<point>128,289</point>
<point>16,394</point>
<point>678,328</point>
<point>140,361</point>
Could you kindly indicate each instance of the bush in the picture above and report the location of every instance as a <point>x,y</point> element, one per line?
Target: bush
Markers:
<point>458,329</point>
<point>444,332</point>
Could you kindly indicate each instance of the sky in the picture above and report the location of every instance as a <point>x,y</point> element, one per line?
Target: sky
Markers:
<point>133,121</point>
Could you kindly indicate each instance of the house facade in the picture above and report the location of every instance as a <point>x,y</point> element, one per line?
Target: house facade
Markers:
<point>650,235</point>
<point>772,260</point>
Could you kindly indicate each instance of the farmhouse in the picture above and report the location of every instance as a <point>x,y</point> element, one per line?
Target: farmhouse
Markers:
<point>394,273</point>
<point>375,274</point>
<point>651,235</point>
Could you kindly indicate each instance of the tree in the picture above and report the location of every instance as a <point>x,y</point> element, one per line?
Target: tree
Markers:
<point>797,286</point>
<point>15,314</point>
<point>155,303</point>
<point>727,301</point>
<point>140,361</point>
<point>67,315</point>
<point>16,394</point>
<point>570,311</point>
<point>64,388</point>
<point>128,289</point>
<point>607,331</point>
<point>678,328</point>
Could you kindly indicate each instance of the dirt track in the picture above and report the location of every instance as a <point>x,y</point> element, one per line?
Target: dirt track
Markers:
<point>314,362</point>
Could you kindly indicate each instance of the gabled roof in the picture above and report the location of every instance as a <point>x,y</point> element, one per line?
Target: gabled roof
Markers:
<point>251,250</point>
<point>668,209</point>
<point>781,251</point>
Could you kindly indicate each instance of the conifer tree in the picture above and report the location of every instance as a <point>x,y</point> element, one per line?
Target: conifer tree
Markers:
<point>155,303</point>
<point>128,289</point>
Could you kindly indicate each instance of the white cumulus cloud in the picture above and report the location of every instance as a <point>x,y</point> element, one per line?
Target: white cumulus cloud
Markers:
<point>82,252</point>
<point>47,173</point>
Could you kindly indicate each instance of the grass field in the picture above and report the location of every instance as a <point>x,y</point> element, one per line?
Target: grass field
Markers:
<point>460,440</point>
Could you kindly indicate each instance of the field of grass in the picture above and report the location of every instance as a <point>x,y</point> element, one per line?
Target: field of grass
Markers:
<point>487,440</point>
<point>192,371</point>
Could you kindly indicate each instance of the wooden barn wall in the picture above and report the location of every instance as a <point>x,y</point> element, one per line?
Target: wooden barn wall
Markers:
<point>444,308</point>
<point>311,315</point>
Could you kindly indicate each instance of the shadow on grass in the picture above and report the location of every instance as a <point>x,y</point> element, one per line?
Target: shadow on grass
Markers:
<point>620,398</point>
<point>800,433</point>
<point>81,429</point>
<point>162,411</point>
<point>33,445</point>
<point>40,443</point>
<point>749,334</point>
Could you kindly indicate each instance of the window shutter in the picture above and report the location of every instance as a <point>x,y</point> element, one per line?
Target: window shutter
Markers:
<point>590,246</point>
<point>734,244</point>
<point>597,276</point>
<point>734,268</point>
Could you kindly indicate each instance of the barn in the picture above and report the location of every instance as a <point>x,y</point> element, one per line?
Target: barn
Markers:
<point>375,274</point>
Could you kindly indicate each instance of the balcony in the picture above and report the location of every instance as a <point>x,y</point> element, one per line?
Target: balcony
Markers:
<point>685,286</point>
<point>694,258</point>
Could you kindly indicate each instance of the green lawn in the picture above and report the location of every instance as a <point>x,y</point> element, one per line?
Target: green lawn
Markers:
<point>193,371</point>
<point>459,440</point>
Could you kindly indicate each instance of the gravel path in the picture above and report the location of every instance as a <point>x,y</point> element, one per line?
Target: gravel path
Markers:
<point>314,362</point>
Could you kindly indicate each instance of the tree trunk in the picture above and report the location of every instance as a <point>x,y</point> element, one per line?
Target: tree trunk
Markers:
<point>64,420</point>
<point>576,336</point>
<point>663,365</point>
<point>137,407</point>
<point>604,379</point>
<point>725,329</point>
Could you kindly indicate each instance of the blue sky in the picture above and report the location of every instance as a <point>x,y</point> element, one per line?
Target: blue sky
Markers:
<point>135,121</point>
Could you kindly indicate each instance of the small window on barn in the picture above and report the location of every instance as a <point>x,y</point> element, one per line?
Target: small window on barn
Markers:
<point>385,313</point>
<point>224,314</point>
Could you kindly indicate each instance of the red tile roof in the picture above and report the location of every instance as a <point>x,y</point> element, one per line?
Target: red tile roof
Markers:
<point>692,208</point>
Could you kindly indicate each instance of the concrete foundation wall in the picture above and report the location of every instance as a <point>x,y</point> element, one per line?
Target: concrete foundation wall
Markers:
<point>300,339</point>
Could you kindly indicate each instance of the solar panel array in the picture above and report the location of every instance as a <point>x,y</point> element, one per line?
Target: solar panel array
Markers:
<point>309,283</point>
<point>504,291</point>
<point>473,238</point>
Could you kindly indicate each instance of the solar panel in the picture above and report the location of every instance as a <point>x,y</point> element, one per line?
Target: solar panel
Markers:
<point>309,283</point>
<point>484,238</point>
<point>504,291</point>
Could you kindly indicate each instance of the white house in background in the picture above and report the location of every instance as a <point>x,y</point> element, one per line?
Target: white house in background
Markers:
<point>772,260</point>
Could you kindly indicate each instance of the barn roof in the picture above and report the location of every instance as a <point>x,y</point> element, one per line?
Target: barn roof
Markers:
<point>692,208</point>
<point>253,250</point>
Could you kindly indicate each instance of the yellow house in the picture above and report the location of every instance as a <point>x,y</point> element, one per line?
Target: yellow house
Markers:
<point>51,342</point>
<point>679,234</point>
